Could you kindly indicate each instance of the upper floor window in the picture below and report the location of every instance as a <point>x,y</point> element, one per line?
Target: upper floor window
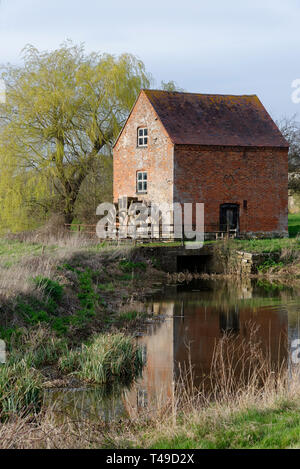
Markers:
<point>142,182</point>
<point>142,137</point>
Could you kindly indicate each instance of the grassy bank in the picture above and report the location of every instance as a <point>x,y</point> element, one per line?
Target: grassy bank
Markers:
<point>273,424</point>
<point>67,314</point>
<point>67,311</point>
<point>262,411</point>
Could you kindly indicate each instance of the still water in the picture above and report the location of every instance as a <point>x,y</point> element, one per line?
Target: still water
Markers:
<point>188,321</point>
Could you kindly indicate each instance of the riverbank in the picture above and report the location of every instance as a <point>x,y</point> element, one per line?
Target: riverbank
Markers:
<point>254,417</point>
<point>76,289</point>
<point>271,426</point>
<point>59,305</point>
<point>63,305</point>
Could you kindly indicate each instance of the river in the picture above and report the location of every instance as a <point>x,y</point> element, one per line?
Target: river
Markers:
<point>181,342</point>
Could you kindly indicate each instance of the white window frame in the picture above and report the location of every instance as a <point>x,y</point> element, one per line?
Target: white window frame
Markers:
<point>142,137</point>
<point>142,179</point>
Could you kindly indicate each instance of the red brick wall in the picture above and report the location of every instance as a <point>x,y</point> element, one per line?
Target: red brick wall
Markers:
<point>220,175</point>
<point>156,159</point>
<point>211,175</point>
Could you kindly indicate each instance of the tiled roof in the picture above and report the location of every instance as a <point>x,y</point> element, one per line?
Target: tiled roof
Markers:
<point>207,119</point>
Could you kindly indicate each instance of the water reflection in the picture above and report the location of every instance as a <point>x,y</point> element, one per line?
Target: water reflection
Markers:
<point>196,317</point>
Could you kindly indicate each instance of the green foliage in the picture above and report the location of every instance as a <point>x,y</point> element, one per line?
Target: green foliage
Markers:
<point>20,389</point>
<point>7,333</point>
<point>50,287</point>
<point>126,318</point>
<point>64,109</point>
<point>275,427</point>
<point>37,347</point>
<point>170,86</point>
<point>87,297</point>
<point>271,286</point>
<point>128,266</point>
<point>35,311</point>
<point>269,264</point>
<point>30,310</point>
<point>294,224</point>
<point>107,287</point>
<point>125,278</point>
<point>106,358</point>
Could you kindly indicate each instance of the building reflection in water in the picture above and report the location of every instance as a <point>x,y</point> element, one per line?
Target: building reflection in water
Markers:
<point>194,323</point>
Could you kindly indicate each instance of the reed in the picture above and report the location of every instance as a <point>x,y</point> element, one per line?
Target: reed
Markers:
<point>107,357</point>
<point>20,389</point>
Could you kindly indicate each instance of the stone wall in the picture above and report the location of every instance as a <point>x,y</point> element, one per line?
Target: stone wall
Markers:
<point>165,258</point>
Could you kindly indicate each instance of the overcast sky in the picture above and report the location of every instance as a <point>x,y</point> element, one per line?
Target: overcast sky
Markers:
<point>213,46</point>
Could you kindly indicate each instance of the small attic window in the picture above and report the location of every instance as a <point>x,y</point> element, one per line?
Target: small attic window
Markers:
<point>142,137</point>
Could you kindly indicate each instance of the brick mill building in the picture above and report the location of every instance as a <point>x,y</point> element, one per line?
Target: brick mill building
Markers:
<point>221,150</point>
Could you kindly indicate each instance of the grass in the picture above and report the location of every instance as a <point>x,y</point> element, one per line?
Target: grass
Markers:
<point>252,405</point>
<point>274,427</point>
<point>128,266</point>
<point>106,358</point>
<point>55,298</point>
<point>37,347</point>
<point>265,245</point>
<point>294,224</point>
<point>55,302</point>
<point>127,317</point>
<point>260,412</point>
<point>12,251</point>
<point>20,389</point>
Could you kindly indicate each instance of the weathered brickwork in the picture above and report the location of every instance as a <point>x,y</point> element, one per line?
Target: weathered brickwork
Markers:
<point>219,175</point>
<point>156,159</point>
<point>254,178</point>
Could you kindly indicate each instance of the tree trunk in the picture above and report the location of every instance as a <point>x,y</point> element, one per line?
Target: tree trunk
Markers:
<point>69,217</point>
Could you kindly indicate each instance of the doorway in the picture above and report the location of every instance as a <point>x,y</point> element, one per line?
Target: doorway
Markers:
<point>229,217</point>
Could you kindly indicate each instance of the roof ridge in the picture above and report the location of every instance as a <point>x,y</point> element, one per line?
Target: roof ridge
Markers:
<point>199,94</point>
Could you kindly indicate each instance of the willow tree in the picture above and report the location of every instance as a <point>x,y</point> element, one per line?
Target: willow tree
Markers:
<point>63,109</point>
